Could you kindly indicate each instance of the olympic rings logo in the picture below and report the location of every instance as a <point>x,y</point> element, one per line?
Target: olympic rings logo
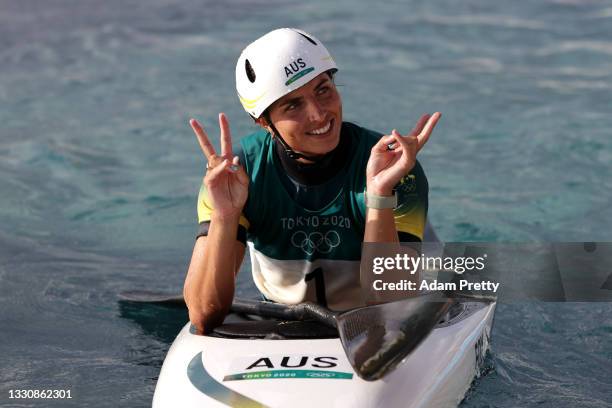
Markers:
<point>315,241</point>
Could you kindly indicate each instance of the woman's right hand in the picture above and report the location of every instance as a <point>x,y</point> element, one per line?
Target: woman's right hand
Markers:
<point>226,182</point>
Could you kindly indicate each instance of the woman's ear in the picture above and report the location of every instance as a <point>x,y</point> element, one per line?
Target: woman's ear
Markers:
<point>263,122</point>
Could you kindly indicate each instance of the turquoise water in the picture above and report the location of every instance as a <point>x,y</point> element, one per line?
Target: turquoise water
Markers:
<point>99,170</point>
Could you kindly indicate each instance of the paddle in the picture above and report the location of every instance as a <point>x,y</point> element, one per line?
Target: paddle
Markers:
<point>144,296</point>
<point>375,338</point>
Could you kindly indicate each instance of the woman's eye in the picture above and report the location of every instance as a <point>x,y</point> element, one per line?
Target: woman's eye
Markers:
<point>323,90</point>
<point>292,106</point>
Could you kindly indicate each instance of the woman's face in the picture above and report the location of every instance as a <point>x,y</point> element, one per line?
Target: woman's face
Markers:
<point>309,118</point>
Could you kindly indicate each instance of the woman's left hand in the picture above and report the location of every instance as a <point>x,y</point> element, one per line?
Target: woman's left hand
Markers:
<point>395,155</point>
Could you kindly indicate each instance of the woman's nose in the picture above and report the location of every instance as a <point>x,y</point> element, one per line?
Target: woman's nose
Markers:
<point>315,112</point>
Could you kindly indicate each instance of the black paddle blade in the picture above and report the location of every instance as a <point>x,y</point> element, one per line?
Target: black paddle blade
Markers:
<point>376,338</point>
<point>156,298</point>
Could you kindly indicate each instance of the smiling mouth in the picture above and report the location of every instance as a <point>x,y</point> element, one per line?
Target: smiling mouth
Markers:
<point>323,130</point>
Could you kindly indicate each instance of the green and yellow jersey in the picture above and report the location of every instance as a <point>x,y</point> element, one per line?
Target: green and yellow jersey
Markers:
<point>309,249</point>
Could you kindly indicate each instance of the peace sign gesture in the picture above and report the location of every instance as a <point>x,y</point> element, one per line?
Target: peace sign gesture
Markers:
<point>395,155</point>
<point>226,181</point>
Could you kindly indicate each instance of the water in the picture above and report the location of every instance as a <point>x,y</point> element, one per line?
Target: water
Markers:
<point>100,171</point>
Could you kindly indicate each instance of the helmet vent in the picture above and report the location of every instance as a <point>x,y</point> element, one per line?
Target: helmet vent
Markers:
<point>308,38</point>
<point>250,73</point>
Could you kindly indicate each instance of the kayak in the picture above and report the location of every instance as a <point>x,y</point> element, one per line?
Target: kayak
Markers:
<point>271,363</point>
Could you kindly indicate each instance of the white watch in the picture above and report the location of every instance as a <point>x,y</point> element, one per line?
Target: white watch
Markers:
<point>380,202</point>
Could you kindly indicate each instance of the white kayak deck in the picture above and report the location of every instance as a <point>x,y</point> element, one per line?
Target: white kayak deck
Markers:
<point>204,371</point>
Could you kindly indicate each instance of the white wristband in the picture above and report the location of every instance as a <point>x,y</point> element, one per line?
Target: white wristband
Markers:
<point>380,202</point>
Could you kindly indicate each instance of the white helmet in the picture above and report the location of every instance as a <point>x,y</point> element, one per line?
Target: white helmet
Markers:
<point>276,64</point>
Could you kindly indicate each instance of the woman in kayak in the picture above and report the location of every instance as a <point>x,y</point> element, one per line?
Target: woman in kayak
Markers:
<point>304,192</point>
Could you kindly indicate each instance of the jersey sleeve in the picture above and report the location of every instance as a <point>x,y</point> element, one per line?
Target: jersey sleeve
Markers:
<point>412,205</point>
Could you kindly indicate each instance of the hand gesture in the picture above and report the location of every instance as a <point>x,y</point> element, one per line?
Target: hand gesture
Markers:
<point>395,155</point>
<point>226,181</point>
